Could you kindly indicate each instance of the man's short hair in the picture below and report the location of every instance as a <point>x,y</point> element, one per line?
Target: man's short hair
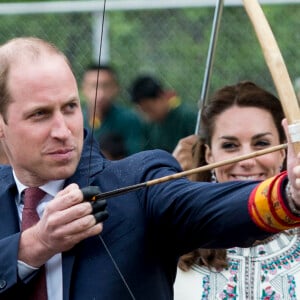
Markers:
<point>145,87</point>
<point>103,67</point>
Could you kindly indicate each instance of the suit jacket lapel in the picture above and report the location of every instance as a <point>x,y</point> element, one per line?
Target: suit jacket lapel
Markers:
<point>8,209</point>
<point>68,259</point>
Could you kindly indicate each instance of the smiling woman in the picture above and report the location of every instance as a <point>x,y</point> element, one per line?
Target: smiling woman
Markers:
<point>240,119</point>
<point>241,130</point>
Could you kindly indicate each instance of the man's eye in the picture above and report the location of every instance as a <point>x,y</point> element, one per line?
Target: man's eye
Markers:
<point>38,114</point>
<point>72,105</point>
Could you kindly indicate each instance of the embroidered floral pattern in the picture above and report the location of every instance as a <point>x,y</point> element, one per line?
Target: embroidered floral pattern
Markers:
<point>284,261</point>
<point>246,265</point>
<point>269,294</point>
<point>230,292</point>
<point>292,286</point>
<point>206,288</point>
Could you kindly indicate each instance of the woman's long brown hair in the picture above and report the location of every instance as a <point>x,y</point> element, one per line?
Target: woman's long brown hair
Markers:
<point>243,94</point>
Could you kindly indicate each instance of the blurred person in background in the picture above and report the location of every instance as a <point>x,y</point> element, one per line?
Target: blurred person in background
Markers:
<point>100,89</point>
<point>168,118</point>
<point>112,146</point>
<point>237,120</point>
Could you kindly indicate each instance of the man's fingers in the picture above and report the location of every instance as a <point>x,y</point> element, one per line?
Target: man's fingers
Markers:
<point>101,216</point>
<point>98,205</point>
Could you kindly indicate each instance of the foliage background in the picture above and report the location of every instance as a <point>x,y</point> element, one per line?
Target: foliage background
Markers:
<point>170,43</point>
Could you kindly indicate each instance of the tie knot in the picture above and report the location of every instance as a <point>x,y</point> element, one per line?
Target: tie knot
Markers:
<point>32,197</point>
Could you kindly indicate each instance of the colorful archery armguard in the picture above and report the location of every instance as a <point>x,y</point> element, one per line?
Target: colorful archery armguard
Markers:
<point>268,208</point>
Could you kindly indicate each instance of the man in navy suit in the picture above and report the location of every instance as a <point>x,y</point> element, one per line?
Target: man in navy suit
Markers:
<point>134,253</point>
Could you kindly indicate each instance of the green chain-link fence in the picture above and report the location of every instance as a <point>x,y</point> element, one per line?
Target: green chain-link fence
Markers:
<point>171,43</point>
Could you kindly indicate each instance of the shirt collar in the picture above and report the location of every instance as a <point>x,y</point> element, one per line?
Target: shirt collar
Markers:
<point>51,187</point>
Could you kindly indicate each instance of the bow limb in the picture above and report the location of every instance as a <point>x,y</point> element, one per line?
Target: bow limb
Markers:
<point>277,69</point>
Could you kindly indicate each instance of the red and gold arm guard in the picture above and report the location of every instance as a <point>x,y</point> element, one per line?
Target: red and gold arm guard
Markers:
<point>268,205</point>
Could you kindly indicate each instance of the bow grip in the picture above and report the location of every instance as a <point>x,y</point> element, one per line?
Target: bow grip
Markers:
<point>90,192</point>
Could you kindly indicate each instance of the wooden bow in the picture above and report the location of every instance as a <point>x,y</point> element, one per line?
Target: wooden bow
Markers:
<point>277,69</point>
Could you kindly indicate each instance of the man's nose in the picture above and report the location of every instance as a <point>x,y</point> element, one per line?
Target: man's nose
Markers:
<point>60,128</point>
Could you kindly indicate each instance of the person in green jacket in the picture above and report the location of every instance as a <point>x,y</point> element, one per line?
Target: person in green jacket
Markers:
<point>103,113</point>
<point>168,118</point>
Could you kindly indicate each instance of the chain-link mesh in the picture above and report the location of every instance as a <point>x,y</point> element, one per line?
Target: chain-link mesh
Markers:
<point>171,43</point>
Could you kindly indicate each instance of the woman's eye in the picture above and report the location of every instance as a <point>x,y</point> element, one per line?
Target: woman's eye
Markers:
<point>229,146</point>
<point>262,144</point>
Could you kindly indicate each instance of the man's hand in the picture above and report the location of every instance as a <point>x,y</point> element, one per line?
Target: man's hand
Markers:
<point>66,221</point>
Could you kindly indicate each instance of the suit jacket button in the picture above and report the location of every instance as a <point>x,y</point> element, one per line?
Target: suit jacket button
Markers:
<point>2,283</point>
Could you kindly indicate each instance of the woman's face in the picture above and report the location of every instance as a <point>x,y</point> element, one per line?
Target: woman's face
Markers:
<point>241,130</point>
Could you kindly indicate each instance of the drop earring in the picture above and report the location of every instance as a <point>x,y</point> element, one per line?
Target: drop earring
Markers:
<point>213,176</point>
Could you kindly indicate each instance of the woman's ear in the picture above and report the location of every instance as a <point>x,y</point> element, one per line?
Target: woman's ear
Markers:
<point>208,155</point>
<point>282,160</point>
<point>1,127</point>
<point>283,155</point>
<point>2,123</point>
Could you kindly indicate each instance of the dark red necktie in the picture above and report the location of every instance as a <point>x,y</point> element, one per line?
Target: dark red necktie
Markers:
<point>32,197</point>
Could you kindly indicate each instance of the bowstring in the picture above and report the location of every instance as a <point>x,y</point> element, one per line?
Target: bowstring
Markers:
<point>90,155</point>
<point>96,91</point>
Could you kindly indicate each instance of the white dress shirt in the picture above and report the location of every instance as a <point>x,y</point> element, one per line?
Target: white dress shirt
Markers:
<point>54,264</point>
